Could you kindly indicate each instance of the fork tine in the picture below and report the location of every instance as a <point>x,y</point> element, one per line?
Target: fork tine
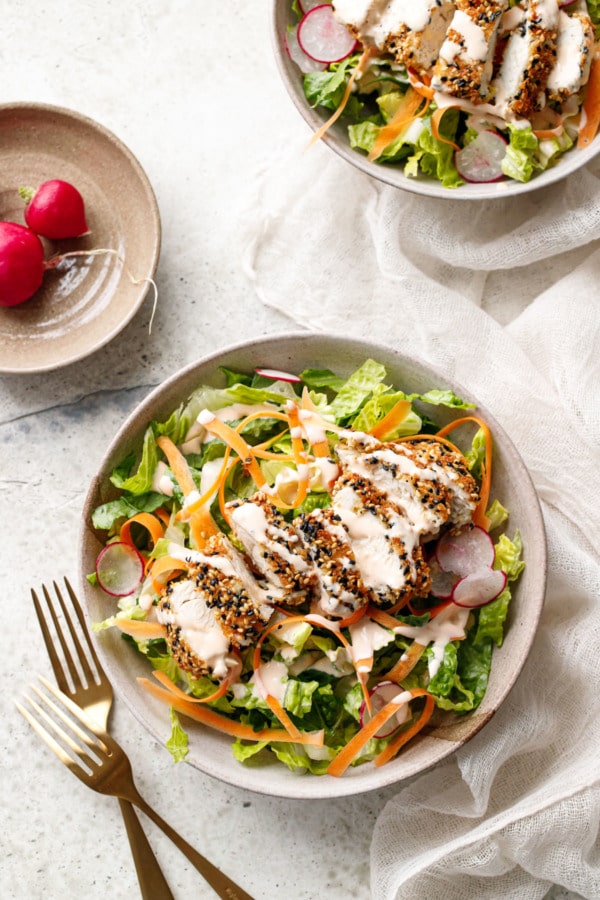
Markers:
<point>94,743</point>
<point>64,736</point>
<point>83,659</point>
<point>46,736</point>
<point>57,665</point>
<point>84,627</point>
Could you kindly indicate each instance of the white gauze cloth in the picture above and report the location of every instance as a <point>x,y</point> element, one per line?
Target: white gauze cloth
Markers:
<point>504,297</point>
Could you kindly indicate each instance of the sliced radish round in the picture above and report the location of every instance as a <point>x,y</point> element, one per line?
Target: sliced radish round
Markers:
<point>119,569</point>
<point>465,551</point>
<point>442,583</point>
<point>277,375</point>
<point>381,694</point>
<point>295,52</point>
<point>481,161</point>
<point>322,37</point>
<point>479,588</point>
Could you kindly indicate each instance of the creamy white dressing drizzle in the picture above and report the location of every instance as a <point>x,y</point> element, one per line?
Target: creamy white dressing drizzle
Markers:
<point>377,20</point>
<point>269,679</point>
<point>473,42</point>
<point>449,625</point>
<point>257,533</point>
<point>161,483</point>
<point>366,636</point>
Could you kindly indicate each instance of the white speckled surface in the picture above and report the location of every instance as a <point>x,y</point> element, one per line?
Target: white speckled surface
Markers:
<point>193,91</point>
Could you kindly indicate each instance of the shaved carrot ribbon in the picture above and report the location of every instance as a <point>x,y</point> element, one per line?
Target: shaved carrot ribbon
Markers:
<point>168,567</point>
<point>590,112</point>
<point>233,439</point>
<point>162,514</point>
<point>345,756</point>
<point>411,107</point>
<point>142,631</point>
<point>300,455</point>
<point>178,464</point>
<point>151,523</point>
<point>396,743</point>
<point>391,420</point>
<point>203,527</point>
<point>278,710</point>
<point>406,663</point>
<point>479,516</point>
<point>420,84</point>
<point>164,679</point>
<point>366,57</point>
<point>187,511</point>
<point>227,726</point>
<point>436,121</point>
<point>547,124</point>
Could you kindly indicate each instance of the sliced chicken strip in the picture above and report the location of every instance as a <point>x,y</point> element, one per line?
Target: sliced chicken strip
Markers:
<point>529,56</point>
<point>411,30</point>
<point>574,52</point>
<point>217,607</point>
<point>340,589</point>
<point>386,546</point>
<point>464,67</point>
<point>274,548</point>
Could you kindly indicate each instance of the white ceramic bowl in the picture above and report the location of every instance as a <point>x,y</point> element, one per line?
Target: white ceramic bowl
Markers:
<point>336,137</point>
<point>210,751</point>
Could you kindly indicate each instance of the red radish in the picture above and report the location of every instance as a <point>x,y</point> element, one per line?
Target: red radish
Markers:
<point>381,694</point>
<point>55,210</point>
<point>119,569</point>
<point>465,551</point>
<point>442,582</point>
<point>295,52</point>
<point>481,160</point>
<point>479,588</point>
<point>322,37</point>
<point>277,375</point>
<point>21,263</point>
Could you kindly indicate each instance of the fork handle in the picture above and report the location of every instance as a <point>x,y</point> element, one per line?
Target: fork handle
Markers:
<point>222,885</point>
<point>153,884</point>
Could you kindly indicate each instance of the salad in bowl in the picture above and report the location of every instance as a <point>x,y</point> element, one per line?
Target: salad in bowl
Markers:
<point>489,96</point>
<point>310,565</point>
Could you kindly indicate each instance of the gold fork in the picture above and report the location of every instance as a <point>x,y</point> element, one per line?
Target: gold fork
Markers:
<point>111,772</point>
<point>92,691</point>
<point>101,763</point>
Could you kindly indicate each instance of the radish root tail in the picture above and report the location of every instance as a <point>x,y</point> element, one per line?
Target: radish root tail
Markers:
<point>54,261</point>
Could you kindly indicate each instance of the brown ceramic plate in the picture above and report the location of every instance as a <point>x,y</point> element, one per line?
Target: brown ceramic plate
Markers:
<point>511,484</point>
<point>86,301</point>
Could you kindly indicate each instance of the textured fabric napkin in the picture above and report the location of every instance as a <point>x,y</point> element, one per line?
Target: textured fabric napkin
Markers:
<point>505,297</point>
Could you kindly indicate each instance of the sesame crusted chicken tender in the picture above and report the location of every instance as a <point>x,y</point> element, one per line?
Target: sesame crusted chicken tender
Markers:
<point>214,609</point>
<point>518,90</point>
<point>464,67</point>
<point>340,587</point>
<point>386,547</point>
<point>450,470</point>
<point>411,30</point>
<point>574,52</point>
<point>394,470</point>
<point>273,548</point>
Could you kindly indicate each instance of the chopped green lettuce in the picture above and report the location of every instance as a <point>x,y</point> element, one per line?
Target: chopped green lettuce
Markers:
<point>177,744</point>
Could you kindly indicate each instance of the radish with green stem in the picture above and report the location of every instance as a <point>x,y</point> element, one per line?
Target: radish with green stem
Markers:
<point>55,210</point>
<point>21,263</point>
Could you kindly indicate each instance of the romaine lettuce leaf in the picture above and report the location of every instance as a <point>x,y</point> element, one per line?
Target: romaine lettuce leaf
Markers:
<point>357,389</point>
<point>141,481</point>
